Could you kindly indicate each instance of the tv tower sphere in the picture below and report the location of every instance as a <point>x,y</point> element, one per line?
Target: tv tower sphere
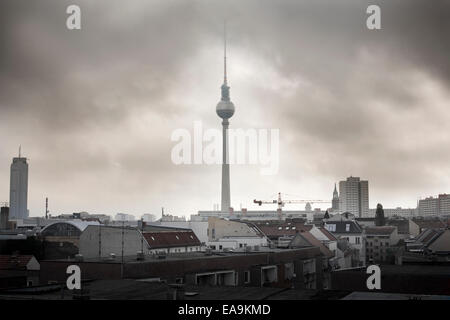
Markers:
<point>225,108</point>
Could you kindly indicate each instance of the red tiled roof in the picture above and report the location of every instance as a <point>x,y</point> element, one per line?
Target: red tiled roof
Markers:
<point>430,235</point>
<point>8,261</point>
<point>283,229</point>
<point>167,239</point>
<point>327,234</point>
<point>316,243</point>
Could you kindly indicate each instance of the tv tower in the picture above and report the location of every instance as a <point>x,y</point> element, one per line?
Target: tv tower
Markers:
<point>225,110</point>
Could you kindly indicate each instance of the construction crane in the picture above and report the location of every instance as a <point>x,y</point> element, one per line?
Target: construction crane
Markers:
<point>281,202</point>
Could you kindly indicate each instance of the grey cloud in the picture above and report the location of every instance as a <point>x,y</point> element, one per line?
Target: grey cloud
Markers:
<point>77,99</point>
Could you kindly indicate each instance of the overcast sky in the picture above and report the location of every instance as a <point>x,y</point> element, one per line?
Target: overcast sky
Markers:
<point>94,108</point>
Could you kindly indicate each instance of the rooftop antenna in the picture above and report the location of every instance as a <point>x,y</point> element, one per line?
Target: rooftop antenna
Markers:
<point>20,151</point>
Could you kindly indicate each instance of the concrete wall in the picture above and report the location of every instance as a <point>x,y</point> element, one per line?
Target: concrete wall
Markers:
<point>110,241</point>
<point>414,229</point>
<point>238,242</point>
<point>220,228</point>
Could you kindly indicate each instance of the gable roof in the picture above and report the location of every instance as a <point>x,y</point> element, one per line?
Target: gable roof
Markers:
<point>327,234</point>
<point>170,239</point>
<point>309,238</point>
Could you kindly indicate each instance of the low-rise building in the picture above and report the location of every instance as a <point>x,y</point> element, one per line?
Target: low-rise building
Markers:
<point>279,232</point>
<point>61,238</point>
<point>406,228</point>
<point>380,242</point>
<point>351,231</point>
<point>284,268</point>
<point>176,241</point>
<point>230,234</point>
<point>108,242</point>
<point>18,270</point>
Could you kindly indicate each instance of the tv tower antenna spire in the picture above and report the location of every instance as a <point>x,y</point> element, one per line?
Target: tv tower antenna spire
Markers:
<point>225,51</point>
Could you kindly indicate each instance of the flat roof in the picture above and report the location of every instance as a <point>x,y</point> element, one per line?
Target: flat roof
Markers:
<point>181,256</point>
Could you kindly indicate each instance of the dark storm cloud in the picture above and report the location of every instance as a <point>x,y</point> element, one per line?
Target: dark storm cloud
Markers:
<point>96,107</point>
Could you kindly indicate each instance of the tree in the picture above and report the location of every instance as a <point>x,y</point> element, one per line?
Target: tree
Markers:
<point>379,216</point>
<point>326,216</point>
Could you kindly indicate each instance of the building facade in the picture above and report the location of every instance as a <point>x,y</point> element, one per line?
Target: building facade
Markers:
<point>351,232</point>
<point>399,211</point>
<point>379,241</point>
<point>354,196</point>
<point>434,206</point>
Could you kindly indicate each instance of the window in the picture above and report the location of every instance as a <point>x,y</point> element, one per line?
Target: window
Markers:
<point>247,277</point>
<point>357,239</point>
<point>347,227</point>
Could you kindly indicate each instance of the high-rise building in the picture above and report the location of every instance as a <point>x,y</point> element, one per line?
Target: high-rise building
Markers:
<point>444,203</point>
<point>18,188</point>
<point>335,200</point>
<point>225,110</point>
<point>434,206</point>
<point>354,196</point>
